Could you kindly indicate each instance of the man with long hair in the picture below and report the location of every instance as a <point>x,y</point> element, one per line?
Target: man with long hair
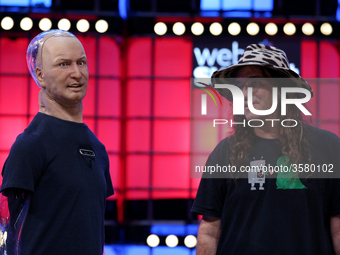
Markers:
<point>282,204</point>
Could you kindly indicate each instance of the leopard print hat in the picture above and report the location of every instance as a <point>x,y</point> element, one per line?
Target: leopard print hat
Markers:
<point>266,56</point>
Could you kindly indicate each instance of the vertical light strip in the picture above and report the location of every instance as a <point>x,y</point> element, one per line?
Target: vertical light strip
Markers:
<point>122,8</point>
<point>204,104</point>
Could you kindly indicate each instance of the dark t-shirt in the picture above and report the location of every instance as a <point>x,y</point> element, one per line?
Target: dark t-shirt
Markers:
<point>66,168</point>
<point>267,214</point>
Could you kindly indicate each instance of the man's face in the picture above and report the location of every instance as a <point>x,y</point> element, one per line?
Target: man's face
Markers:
<point>64,72</point>
<point>262,97</point>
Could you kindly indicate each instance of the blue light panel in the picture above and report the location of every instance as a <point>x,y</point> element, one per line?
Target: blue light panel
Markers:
<point>245,5</point>
<point>178,230</point>
<point>236,5</point>
<point>26,3</point>
<point>210,5</point>
<point>263,5</point>
<point>164,250</point>
<point>117,249</point>
<point>238,14</point>
<point>122,6</point>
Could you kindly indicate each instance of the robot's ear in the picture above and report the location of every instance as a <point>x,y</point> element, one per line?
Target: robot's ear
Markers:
<point>39,74</point>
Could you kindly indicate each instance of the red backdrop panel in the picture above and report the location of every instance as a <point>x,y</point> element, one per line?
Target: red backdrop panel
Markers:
<point>13,95</point>
<point>109,100</point>
<point>108,133</point>
<point>109,56</point>
<point>173,57</point>
<point>171,136</point>
<point>138,136</point>
<point>89,102</point>
<point>309,69</point>
<point>138,98</point>
<point>170,177</point>
<point>139,57</point>
<point>10,128</point>
<point>329,92</point>
<point>13,55</point>
<point>172,98</point>
<point>329,60</point>
<point>138,177</point>
<point>309,56</point>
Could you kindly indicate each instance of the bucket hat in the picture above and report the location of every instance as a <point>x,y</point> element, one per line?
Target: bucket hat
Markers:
<point>266,56</point>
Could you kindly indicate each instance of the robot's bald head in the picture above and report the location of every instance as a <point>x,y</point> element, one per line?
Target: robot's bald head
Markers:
<point>34,50</point>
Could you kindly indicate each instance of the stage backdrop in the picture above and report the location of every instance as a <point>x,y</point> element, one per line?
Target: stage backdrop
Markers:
<point>138,101</point>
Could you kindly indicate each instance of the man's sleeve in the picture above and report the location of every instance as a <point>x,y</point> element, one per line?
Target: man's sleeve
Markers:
<point>24,164</point>
<point>109,191</point>
<point>210,197</point>
<point>212,191</point>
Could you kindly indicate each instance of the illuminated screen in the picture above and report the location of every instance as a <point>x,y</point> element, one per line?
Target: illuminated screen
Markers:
<point>33,3</point>
<point>245,5</point>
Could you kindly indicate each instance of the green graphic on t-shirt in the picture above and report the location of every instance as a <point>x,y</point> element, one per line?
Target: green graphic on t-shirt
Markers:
<point>286,178</point>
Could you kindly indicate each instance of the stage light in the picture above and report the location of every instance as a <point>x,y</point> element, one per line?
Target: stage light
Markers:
<point>101,26</point>
<point>160,28</point>
<point>326,28</point>
<point>26,24</point>
<point>234,28</point>
<point>152,240</point>
<point>4,238</point>
<point>7,23</point>
<point>308,29</point>
<point>45,24</point>
<point>253,28</point>
<point>190,241</point>
<point>215,28</point>
<point>171,241</point>
<point>64,24</point>
<point>271,29</point>
<point>83,25</point>
<point>197,28</point>
<point>178,28</point>
<point>289,28</point>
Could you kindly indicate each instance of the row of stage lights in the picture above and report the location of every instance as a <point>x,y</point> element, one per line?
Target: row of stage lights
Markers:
<point>153,240</point>
<point>26,24</point>
<point>160,28</point>
<point>234,28</point>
